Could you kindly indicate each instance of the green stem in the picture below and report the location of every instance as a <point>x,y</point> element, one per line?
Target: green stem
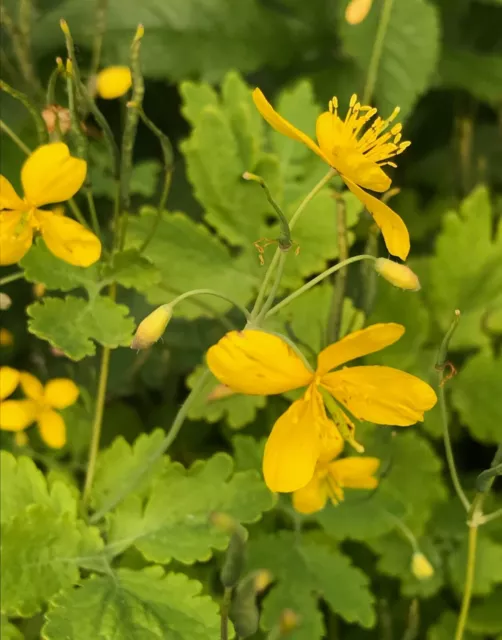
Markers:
<point>11,278</point>
<point>160,210</point>
<point>210,292</point>
<point>224,612</point>
<point>17,141</point>
<point>492,516</point>
<point>273,291</point>
<point>99,30</point>
<point>335,316</point>
<point>97,423</point>
<point>469,581</point>
<point>318,187</point>
<point>33,111</point>
<point>92,210</point>
<point>284,240</point>
<point>405,530</point>
<point>315,281</point>
<point>136,476</point>
<point>77,213</point>
<point>376,53</point>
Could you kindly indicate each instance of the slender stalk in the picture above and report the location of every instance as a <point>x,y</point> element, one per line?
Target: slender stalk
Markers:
<point>77,213</point>
<point>469,581</point>
<point>211,292</point>
<point>99,31</point>
<point>263,289</point>
<point>33,111</point>
<point>160,209</point>
<point>97,423</point>
<point>492,516</point>
<point>273,291</point>
<point>224,612</point>
<point>315,281</point>
<point>376,53</point>
<point>92,210</point>
<point>17,141</point>
<point>340,280</point>
<point>308,198</point>
<point>136,476</point>
<point>11,278</point>
<point>405,530</point>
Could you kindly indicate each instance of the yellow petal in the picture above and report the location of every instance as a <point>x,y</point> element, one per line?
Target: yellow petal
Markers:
<point>257,363</point>
<point>113,82</point>
<point>16,415</point>
<point>381,394</point>
<point>345,158</point>
<point>60,393</point>
<point>357,10</point>
<point>281,125</point>
<point>312,497</point>
<point>52,429</point>
<point>8,196</point>
<point>9,379</point>
<point>69,240</point>
<point>16,237</point>
<point>51,175</point>
<point>357,344</point>
<point>293,448</point>
<point>394,231</point>
<point>355,473</point>
<point>32,386</point>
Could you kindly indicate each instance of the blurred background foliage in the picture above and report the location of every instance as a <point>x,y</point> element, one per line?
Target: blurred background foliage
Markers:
<point>441,61</point>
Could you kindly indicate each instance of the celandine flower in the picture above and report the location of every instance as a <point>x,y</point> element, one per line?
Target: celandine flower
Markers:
<point>113,82</point>
<point>332,476</point>
<point>49,175</point>
<point>358,151</point>
<point>17,415</point>
<point>259,363</point>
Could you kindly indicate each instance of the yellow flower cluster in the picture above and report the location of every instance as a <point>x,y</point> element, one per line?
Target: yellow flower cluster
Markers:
<point>300,451</point>
<point>38,406</point>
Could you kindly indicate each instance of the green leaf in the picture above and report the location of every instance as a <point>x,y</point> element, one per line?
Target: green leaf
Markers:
<point>132,270</point>
<point>237,409</point>
<point>183,531</point>
<point>305,571</point>
<point>409,53</point>
<point>485,616</point>
<point>145,177</point>
<point>487,570</point>
<point>466,235</point>
<point>445,628</point>
<point>248,452</point>
<point>475,395</point>
<point>123,463</point>
<point>40,265</point>
<point>137,605</point>
<point>480,74</point>
<point>190,257</point>
<point>71,324</point>
<point>412,497</point>
<point>41,553</point>
<point>8,631</point>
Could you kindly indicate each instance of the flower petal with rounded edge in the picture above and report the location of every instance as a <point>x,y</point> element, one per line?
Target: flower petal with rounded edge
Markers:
<point>394,231</point>
<point>68,239</point>
<point>345,157</point>
<point>52,429</point>
<point>51,174</point>
<point>355,473</point>
<point>281,125</point>
<point>16,415</point>
<point>16,237</point>
<point>113,82</point>
<point>292,449</point>
<point>8,196</point>
<point>312,497</point>
<point>381,394</point>
<point>9,379</point>
<point>31,386</point>
<point>60,393</point>
<point>257,363</point>
<point>357,344</point>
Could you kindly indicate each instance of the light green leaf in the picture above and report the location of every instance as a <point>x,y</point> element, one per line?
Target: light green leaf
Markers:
<point>71,324</point>
<point>123,463</point>
<point>8,631</point>
<point>409,53</point>
<point>130,269</point>
<point>137,605</point>
<point>248,452</point>
<point>445,628</point>
<point>485,616</point>
<point>475,395</point>
<point>477,73</point>
<point>145,177</point>
<point>487,570</point>
<point>237,409</point>
<point>190,257</point>
<point>305,571</point>
<point>466,235</point>
<point>183,531</point>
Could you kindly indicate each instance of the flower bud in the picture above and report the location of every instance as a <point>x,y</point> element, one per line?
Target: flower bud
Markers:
<point>397,274</point>
<point>5,301</point>
<point>6,338</point>
<point>421,567</point>
<point>357,10</point>
<point>288,622</point>
<point>152,327</point>
<point>39,289</point>
<point>262,579</point>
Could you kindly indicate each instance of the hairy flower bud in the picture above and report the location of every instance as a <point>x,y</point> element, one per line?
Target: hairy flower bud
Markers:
<point>421,567</point>
<point>152,327</point>
<point>397,274</point>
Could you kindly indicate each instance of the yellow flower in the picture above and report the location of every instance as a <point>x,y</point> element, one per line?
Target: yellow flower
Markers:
<point>49,175</point>
<point>358,151</point>
<point>17,415</point>
<point>113,82</point>
<point>259,363</point>
<point>331,477</point>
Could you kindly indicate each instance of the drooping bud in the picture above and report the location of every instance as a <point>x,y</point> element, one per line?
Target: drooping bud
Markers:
<point>357,10</point>
<point>152,327</point>
<point>397,274</point>
<point>421,567</point>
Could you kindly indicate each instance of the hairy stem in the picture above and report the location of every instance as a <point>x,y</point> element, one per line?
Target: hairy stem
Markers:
<point>376,53</point>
